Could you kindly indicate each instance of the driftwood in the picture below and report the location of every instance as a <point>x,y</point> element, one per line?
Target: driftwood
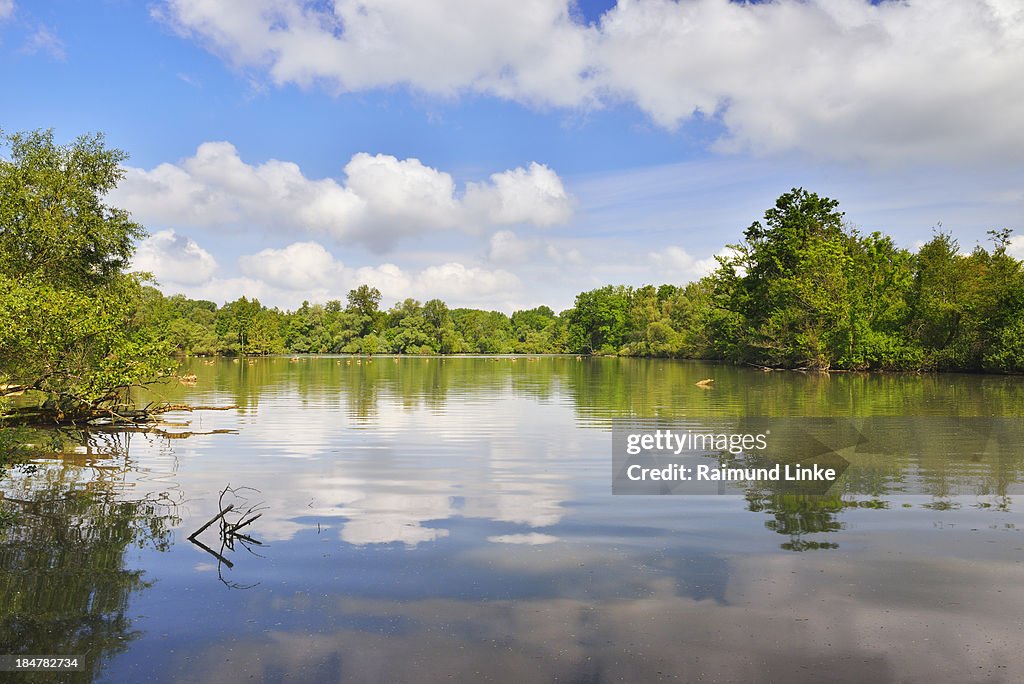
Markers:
<point>800,369</point>
<point>234,529</point>
<point>99,415</point>
<point>212,520</point>
<point>248,539</point>
<point>204,547</point>
<point>158,430</point>
<point>164,408</point>
<point>229,531</point>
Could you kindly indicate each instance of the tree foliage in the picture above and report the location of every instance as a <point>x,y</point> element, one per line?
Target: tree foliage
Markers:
<point>54,225</point>
<point>802,289</point>
<point>70,329</point>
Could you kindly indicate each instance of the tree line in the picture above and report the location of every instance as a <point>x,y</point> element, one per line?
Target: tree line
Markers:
<point>802,289</point>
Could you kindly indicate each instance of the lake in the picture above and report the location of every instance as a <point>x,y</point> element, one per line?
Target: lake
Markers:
<point>428,519</point>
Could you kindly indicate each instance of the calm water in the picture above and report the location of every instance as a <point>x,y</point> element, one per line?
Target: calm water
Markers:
<point>452,519</point>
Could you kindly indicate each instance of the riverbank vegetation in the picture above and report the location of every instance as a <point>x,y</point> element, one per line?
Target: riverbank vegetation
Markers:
<point>70,335</point>
<point>802,289</point>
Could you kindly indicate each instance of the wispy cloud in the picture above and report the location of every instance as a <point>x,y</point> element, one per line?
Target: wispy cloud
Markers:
<point>190,80</point>
<point>44,40</point>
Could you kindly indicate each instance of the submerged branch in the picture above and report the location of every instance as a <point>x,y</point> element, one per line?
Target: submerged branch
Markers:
<point>85,414</point>
<point>212,520</point>
<point>204,547</point>
<point>229,533</point>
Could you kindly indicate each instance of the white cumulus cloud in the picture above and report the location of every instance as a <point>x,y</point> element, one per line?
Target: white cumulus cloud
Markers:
<point>917,80</point>
<point>6,8</point>
<point>457,281</point>
<point>390,279</point>
<point>672,258</point>
<point>1015,248</point>
<point>298,266</point>
<point>533,195</point>
<point>382,199</point>
<point>286,276</point>
<point>529,49</point>
<point>682,266</point>
<point>174,259</point>
<point>507,246</point>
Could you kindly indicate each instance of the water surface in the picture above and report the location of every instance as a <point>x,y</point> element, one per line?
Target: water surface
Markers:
<point>429,519</point>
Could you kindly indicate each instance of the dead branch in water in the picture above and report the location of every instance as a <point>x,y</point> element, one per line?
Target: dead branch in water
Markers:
<point>243,537</point>
<point>164,408</point>
<point>159,430</point>
<point>97,416</point>
<point>204,547</point>
<point>234,529</point>
<point>212,520</point>
<point>229,529</point>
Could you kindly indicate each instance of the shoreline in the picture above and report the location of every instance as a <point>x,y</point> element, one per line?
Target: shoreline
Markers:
<point>555,355</point>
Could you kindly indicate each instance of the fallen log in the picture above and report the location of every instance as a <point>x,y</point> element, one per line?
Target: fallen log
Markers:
<point>113,415</point>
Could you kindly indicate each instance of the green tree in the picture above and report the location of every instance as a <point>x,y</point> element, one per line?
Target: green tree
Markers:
<point>234,323</point>
<point>599,320</point>
<point>70,328</point>
<point>789,293</point>
<point>54,224</point>
<point>266,336</point>
<point>787,282</point>
<point>408,330</point>
<point>536,330</point>
<point>484,332</point>
<point>364,302</point>
<point>881,280</point>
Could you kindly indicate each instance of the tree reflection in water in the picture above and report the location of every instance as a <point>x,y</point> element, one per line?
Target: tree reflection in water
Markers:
<point>798,515</point>
<point>65,533</point>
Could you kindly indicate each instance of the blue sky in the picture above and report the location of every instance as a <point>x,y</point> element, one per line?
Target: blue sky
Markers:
<point>504,155</point>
